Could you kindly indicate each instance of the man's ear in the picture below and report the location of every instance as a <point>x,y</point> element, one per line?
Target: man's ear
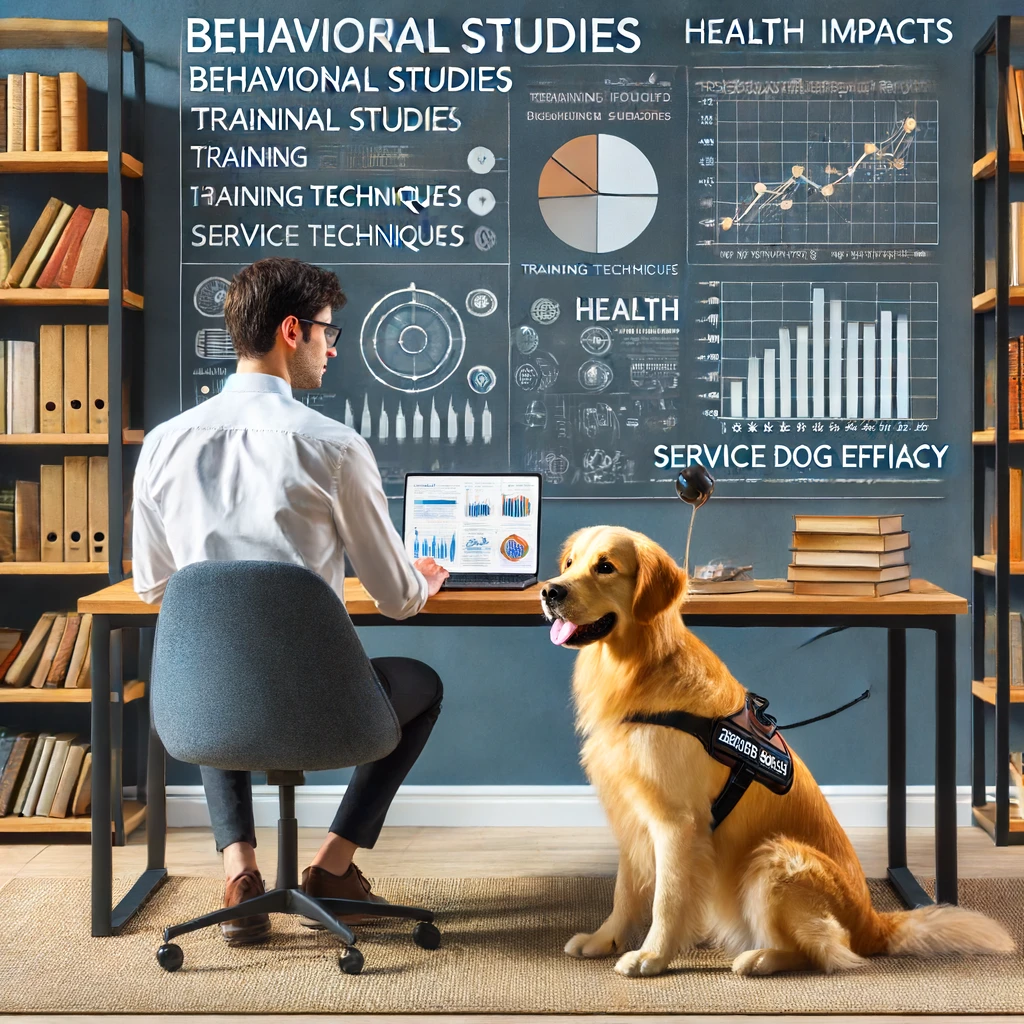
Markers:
<point>660,583</point>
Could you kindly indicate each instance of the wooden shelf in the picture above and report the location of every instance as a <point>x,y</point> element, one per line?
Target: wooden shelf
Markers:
<point>986,690</point>
<point>985,816</point>
<point>127,437</point>
<point>54,568</point>
<point>81,162</point>
<point>986,166</point>
<point>987,300</point>
<point>134,814</point>
<point>64,297</point>
<point>989,437</point>
<point>987,565</point>
<point>52,34</point>
<point>62,695</point>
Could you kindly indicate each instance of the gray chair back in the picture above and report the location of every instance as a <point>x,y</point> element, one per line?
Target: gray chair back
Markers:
<point>257,666</point>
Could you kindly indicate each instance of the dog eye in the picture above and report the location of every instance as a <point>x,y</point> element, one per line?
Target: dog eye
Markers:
<point>568,562</point>
<point>605,568</point>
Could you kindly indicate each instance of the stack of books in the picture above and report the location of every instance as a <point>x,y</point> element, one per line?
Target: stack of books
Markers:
<point>855,556</point>
<point>43,113</point>
<point>55,653</point>
<point>44,774</point>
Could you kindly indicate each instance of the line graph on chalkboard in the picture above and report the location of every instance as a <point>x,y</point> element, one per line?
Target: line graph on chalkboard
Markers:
<point>819,157</point>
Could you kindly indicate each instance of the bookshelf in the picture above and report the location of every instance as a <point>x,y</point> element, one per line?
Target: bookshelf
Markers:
<point>121,167</point>
<point>992,446</point>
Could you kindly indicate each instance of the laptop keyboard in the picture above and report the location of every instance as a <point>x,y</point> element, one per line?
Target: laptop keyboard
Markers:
<point>487,581</point>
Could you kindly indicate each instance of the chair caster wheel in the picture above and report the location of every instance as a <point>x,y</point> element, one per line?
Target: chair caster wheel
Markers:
<point>170,957</point>
<point>351,961</point>
<point>426,936</point>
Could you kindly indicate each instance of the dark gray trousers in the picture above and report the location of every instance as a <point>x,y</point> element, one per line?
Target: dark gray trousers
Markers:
<point>415,692</point>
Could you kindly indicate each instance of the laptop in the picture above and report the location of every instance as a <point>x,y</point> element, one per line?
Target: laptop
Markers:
<point>484,528</point>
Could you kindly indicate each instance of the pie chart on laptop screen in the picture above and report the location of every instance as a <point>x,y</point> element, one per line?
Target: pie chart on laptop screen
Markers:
<point>598,193</point>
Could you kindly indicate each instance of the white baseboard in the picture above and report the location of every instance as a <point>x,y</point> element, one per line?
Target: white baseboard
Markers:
<point>529,806</point>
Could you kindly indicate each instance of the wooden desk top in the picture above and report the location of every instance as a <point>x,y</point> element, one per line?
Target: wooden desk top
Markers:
<point>923,598</point>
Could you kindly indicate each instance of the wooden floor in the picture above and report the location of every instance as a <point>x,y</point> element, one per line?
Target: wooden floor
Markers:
<point>467,852</point>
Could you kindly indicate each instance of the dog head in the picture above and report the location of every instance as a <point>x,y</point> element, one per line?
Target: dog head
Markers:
<point>612,579</point>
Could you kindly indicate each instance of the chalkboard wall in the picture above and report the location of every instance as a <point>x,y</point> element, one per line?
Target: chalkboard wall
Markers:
<point>732,271</point>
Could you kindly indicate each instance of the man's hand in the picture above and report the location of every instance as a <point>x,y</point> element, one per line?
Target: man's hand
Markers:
<point>434,574</point>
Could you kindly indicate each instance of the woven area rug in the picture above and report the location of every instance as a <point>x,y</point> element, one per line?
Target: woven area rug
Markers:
<point>501,952</point>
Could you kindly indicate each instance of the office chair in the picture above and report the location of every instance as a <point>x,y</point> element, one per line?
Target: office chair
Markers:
<point>257,667</point>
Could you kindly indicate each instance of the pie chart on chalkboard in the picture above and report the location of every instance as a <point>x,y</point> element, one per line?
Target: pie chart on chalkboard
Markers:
<point>598,193</point>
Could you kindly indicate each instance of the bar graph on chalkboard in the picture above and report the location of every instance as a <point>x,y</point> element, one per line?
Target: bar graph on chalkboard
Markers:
<point>828,350</point>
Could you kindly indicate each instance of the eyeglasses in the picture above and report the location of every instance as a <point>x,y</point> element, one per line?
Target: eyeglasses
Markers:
<point>331,331</point>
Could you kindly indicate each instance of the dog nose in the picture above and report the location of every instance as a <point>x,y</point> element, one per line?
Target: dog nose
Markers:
<point>554,592</point>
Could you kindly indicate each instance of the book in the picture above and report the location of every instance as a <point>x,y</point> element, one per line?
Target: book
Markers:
<point>50,650</point>
<point>16,113</point>
<point>51,379</point>
<point>51,513</point>
<point>32,650</point>
<point>62,659</point>
<point>38,776</point>
<point>3,387</point>
<point>850,542</point>
<point>98,518</point>
<point>6,745</point>
<point>76,508</point>
<point>720,586</point>
<point>842,574</point>
<point>49,114</point>
<point>70,236</point>
<point>31,111</point>
<point>22,387</point>
<point>61,747</point>
<point>68,778</point>
<point>80,656</point>
<point>1016,650</point>
<point>47,246</point>
<point>74,249</point>
<point>32,243</point>
<point>29,774</point>
<point>6,536</point>
<point>1016,487</point>
<point>11,641</point>
<point>26,521</point>
<point>1013,110</point>
<point>74,120</point>
<point>859,525</point>
<point>3,115</point>
<point>82,800</point>
<point>14,770</point>
<point>852,559</point>
<point>93,253</point>
<point>76,378</point>
<point>852,589</point>
<point>98,379</point>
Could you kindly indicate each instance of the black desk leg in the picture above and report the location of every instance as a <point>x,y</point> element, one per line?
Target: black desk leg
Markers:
<point>117,734</point>
<point>897,789</point>
<point>102,853</point>
<point>945,761</point>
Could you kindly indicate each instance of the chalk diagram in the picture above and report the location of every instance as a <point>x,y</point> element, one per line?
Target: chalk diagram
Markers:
<point>412,340</point>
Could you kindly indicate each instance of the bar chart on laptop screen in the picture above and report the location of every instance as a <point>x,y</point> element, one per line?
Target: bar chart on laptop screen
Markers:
<point>841,350</point>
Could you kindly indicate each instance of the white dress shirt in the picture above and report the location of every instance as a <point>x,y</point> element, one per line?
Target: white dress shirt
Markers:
<point>254,474</point>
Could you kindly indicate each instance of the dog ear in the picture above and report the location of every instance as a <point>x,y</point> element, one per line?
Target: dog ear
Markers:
<point>659,582</point>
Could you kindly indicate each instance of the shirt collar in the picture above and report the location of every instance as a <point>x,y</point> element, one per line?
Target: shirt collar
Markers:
<point>265,383</point>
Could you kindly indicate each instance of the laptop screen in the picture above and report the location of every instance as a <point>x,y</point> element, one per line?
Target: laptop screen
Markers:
<point>474,522</point>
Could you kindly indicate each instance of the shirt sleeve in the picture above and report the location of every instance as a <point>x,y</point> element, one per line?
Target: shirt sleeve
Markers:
<point>152,562</point>
<point>373,545</point>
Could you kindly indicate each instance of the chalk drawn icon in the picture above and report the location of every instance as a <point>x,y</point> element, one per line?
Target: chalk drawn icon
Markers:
<point>480,160</point>
<point>484,238</point>
<point>525,339</point>
<point>596,341</point>
<point>536,415</point>
<point>214,343</point>
<point>545,311</point>
<point>412,340</point>
<point>514,548</point>
<point>527,377</point>
<point>481,302</point>
<point>209,296</point>
<point>481,201</point>
<point>481,379</point>
<point>594,375</point>
<point>547,366</point>
<point>598,193</point>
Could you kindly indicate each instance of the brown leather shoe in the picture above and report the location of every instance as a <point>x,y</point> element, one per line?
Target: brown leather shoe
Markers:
<point>353,885</point>
<point>245,930</point>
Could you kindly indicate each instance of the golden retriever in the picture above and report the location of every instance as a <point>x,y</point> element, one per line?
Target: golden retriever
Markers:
<point>777,884</point>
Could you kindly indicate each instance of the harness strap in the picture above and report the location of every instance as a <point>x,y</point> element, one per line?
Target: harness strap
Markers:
<point>739,782</point>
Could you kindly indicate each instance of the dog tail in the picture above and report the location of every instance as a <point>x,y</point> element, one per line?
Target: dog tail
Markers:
<point>932,931</point>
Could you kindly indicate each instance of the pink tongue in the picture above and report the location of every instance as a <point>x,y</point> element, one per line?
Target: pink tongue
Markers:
<point>562,630</point>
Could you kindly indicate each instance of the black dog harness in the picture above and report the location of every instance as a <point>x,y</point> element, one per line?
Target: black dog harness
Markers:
<point>748,741</point>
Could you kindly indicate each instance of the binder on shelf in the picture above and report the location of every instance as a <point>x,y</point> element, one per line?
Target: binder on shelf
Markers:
<point>76,508</point>
<point>51,513</point>
<point>51,379</point>
<point>22,387</point>
<point>26,521</point>
<point>76,379</point>
<point>99,520</point>
<point>98,379</point>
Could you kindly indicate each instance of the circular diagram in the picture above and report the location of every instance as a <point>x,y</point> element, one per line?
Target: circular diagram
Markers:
<point>412,340</point>
<point>598,193</point>
<point>484,238</point>
<point>594,375</point>
<point>480,160</point>
<point>528,377</point>
<point>513,548</point>
<point>481,302</point>
<point>545,311</point>
<point>526,339</point>
<point>596,341</point>
<point>547,367</point>
<point>209,296</point>
<point>481,201</point>
<point>481,379</point>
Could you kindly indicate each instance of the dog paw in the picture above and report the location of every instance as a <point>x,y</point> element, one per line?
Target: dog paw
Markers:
<point>590,946</point>
<point>750,963</point>
<point>639,963</point>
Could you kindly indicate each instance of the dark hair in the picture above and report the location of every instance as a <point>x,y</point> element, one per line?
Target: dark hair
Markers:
<point>262,294</point>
